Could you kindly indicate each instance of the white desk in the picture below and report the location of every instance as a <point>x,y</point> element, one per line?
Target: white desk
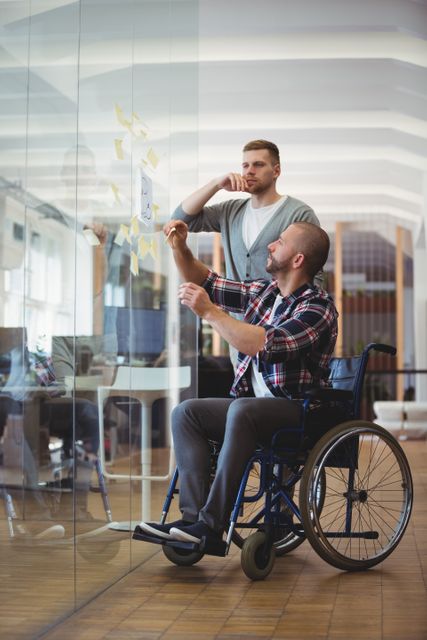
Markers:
<point>146,385</point>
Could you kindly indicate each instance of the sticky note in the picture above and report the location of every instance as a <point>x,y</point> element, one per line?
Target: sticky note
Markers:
<point>143,197</point>
<point>119,150</point>
<point>138,128</point>
<point>134,226</point>
<point>143,247</point>
<point>153,248</point>
<point>115,190</point>
<point>120,238</point>
<point>122,235</point>
<point>152,158</point>
<point>134,266</point>
<point>121,118</point>
<point>125,230</point>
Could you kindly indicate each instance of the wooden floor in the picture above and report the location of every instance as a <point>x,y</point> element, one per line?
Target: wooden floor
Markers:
<point>303,597</point>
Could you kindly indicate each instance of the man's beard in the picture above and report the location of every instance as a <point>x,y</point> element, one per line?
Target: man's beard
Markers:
<point>258,188</point>
<point>275,267</point>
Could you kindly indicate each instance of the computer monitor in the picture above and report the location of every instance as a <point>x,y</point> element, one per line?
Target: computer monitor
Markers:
<point>73,355</point>
<point>141,333</point>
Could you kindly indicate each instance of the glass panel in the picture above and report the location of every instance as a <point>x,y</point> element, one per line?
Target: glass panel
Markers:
<point>95,351</point>
<point>37,294</point>
<point>137,108</point>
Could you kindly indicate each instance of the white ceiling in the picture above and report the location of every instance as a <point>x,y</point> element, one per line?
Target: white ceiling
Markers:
<point>340,86</point>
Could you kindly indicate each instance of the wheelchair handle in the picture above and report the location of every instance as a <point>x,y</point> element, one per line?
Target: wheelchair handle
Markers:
<point>384,348</point>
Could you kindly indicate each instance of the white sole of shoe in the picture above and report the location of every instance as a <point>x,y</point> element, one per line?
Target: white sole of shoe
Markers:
<point>52,533</point>
<point>154,532</point>
<point>182,536</point>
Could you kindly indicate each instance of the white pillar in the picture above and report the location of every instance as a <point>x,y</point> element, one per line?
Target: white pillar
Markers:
<point>420,303</point>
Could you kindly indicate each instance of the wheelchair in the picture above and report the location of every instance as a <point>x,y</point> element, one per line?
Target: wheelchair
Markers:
<point>64,474</point>
<point>344,484</point>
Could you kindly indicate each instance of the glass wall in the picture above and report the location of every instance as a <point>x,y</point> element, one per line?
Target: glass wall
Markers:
<point>98,126</point>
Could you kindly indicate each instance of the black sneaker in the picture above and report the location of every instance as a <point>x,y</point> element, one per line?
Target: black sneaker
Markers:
<point>194,533</point>
<point>160,530</point>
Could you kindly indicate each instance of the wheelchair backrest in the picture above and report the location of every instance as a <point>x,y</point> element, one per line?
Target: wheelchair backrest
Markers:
<point>348,373</point>
<point>343,372</point>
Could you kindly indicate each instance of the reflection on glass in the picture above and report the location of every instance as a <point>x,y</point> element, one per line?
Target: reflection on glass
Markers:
<point>94,350</point>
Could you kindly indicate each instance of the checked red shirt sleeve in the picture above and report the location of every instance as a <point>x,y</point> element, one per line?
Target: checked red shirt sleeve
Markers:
<point>231,295</point>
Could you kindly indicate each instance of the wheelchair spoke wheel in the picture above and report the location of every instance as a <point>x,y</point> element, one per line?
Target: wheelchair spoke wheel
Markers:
<point>288,534</point>
<point>257,559</point>
<point>182,557</point>
<point>367,498</point>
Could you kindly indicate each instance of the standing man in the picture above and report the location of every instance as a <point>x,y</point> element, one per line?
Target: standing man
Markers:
<point>247,225</point>
<point>285,344</point>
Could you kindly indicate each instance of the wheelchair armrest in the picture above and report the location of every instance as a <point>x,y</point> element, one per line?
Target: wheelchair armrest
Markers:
<point>328,393</point>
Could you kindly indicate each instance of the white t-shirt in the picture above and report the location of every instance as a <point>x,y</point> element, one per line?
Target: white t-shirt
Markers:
<point>255,220</point>
<point>260,388</point>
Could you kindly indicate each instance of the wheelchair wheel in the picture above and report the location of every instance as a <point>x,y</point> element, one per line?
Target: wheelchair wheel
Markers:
<point>257,561</point>
<point>181,557</point>
<point>285,540</point>
<point>367,498</point>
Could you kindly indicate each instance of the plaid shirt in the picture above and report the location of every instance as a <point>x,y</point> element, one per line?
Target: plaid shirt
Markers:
<point>42,365</point>
<point>299,339</point>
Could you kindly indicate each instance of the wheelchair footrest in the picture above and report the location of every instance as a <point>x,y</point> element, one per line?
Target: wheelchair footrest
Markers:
<point>207,546</point>
<point>146,538</point>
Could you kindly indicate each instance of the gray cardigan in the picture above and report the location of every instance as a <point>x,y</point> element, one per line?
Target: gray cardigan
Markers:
<point>227,217</point>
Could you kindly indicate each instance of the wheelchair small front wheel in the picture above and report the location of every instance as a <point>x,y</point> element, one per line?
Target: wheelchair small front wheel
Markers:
<point>182,557</point>
<point>257,559</point>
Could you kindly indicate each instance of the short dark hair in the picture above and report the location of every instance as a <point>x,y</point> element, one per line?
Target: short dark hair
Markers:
<point>314,243</point>
<point>272,148</point>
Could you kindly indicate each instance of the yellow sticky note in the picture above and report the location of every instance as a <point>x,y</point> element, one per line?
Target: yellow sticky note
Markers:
<point>119,113</point>
<point>152,158</point>
<point>134,226</point>
<point>120,238</point>
<point>153,248</point>
<point>143,247</point>
<point>119,150</point>
<point>115,190</point>
<point>134,266</point>
<point>138,128</point>
<point>122,235</point>
<point>125,231</point>
<point>155,209</point>
<point>121,118</point>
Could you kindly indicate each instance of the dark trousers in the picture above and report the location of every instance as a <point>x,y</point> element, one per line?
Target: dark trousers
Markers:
<point>240,425</point>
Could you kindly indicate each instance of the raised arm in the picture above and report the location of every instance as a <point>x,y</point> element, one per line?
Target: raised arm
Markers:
<point>246,338</point>
<point>194,203</point>
<point>189,267</point>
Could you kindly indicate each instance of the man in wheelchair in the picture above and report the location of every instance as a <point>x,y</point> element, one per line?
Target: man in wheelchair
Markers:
<point>285,344</point>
